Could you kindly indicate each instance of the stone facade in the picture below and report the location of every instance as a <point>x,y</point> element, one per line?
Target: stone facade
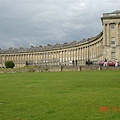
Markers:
<point>104,45</point>
<point>111,35</point>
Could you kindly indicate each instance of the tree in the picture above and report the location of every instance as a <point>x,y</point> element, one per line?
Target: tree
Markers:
<point>9,64</point>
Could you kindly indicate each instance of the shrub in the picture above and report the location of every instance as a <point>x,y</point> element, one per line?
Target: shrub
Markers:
<point>31,70</point>
<point>46,69</point>
<point>9,64</point>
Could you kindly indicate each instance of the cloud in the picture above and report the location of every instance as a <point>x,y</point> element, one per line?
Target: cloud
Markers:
<point>40,22</point>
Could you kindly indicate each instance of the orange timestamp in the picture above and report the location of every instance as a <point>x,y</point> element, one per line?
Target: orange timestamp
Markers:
<point>108,109</point>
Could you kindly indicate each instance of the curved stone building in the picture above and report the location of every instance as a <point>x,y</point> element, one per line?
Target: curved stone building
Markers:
<point>104,45</point>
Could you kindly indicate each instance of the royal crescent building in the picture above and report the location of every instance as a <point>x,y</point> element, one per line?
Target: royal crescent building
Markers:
<point>105,45</point>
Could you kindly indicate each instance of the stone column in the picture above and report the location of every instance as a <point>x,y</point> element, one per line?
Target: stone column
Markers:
<point>48,57</point>
<point>91,51</point>
<point>25,57</point>
<point>42,56</point>
<point>98,48</point>
<point>73,55</point>
<point>3,60</point>
<point>87,55</point>
<point>83,50</point>
<point>58,57</point>
<point>28,57</point>
<point>37,57</point>
<point>15,58</point>
<point>70,56</point>
<point>79,53</point>
<point>95,50</point>
<point>108,34</point>
<point>33,57</point>
<point>45,57</point>
<point>6,57</point>
<point>65,56</point>
<point>82,54</point>
<point>117,34</point>
<point>104,34</point>
<point>19,57</point>
<point>62,56</point>
<point>101,47</point>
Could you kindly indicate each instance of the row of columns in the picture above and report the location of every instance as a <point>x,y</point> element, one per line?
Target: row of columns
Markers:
<point>61,56</point>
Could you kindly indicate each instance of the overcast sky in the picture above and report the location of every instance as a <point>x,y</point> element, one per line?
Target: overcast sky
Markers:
<point>40,22</point>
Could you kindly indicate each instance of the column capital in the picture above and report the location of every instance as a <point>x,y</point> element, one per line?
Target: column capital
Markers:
<point>104,24</point>
<point>116,23</point>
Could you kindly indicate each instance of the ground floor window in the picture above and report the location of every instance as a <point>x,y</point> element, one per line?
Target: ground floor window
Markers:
<point>112,55</point>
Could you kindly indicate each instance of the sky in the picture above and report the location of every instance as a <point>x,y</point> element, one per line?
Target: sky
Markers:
<point>26,23</point>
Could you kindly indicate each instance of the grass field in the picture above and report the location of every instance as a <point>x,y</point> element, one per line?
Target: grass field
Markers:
<point>85,95</point>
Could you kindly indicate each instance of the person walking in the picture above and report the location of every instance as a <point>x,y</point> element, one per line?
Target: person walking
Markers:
<point>73,62</point>
<point>116,63</point>
<point>105,62</point>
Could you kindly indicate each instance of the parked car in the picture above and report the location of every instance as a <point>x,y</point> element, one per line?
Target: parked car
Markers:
<point>109,63</point>
<point>101,63</point>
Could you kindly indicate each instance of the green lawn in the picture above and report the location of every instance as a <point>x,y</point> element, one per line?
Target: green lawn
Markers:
<point>85,95</point>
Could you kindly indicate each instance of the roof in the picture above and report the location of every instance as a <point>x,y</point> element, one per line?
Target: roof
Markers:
<point>49,46</point>
<point>116,12</point>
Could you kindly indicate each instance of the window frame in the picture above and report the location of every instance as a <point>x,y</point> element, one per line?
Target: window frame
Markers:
<point>112,26</point>
<point>113,41</point>
<point>112,55</point>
